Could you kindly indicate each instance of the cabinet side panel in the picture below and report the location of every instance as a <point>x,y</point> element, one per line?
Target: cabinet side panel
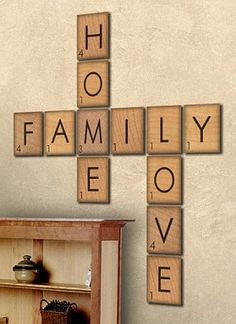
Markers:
<point>109,282</point>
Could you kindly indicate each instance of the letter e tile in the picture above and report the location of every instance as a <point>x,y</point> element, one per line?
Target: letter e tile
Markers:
<point>93,180</point>
<point>164,280</point>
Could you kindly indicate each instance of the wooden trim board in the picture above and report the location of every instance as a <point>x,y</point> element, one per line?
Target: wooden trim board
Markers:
<point>109,282</point>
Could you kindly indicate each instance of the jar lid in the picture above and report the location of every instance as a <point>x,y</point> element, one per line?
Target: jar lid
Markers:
<point>26,264</point>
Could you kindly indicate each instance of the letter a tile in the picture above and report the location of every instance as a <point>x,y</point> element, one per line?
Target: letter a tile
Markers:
<point>202,127</point>
<point>93,88</point>
<point>164,280</point>
<point>164,180</point>
<point>93,36</point>
<point>93,129</point>
<point>127,127</point>
<point>93,180</point>
<point>60,132</point>
<point>164,133</point>
<point>28,134</point>
<point>164,235</point>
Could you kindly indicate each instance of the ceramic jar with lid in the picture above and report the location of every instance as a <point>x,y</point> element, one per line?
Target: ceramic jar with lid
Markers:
<point>26,271</point>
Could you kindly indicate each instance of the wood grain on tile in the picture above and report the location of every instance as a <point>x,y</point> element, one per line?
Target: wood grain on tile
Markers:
<point>164,133</point>
<point>164,280</point>
<point>127,128</point>
<point>93,86</point>
<point>93,131</point>
<point>164,230</point>
<point>93,180</point>
<point>164,179</point>
<point>202,128</point>
<point>60,132</point>
<point>93,36</point>
<point>28,134</point>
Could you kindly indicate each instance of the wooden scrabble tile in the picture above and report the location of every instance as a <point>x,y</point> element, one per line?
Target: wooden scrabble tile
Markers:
<point>202,128</point>
<point>164,280</point>
<point>164,230</point>
<point>164,134</point>
<point>93,87</point>
<point>164,179</point>
<point>93,131</point>
<point>93,36</point>
<point>127,127</point>
<point>60,132</point>
<point>28,134</point>
<point>93,180</point>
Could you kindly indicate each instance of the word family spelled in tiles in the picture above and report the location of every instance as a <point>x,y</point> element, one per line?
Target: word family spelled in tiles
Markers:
<point>169,131</point>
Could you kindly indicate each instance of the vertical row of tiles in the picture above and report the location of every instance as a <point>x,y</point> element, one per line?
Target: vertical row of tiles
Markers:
<point>93,91</point>
<point>202,125</point>
<point>164,187</point>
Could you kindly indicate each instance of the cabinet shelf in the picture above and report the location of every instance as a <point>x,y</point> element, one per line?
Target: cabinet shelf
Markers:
<point>58,287</point>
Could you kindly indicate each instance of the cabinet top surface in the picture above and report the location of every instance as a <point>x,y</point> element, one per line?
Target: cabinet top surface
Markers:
<point>77,229</point>
<point>84,220</point>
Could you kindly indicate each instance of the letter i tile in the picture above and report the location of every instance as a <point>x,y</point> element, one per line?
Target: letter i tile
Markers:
<point>128,130</point>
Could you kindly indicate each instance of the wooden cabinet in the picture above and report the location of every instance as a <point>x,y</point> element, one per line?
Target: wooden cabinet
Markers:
<point>66,248</point>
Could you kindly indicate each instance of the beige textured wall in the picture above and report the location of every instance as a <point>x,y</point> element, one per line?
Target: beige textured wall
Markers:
<point>163,52</point>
